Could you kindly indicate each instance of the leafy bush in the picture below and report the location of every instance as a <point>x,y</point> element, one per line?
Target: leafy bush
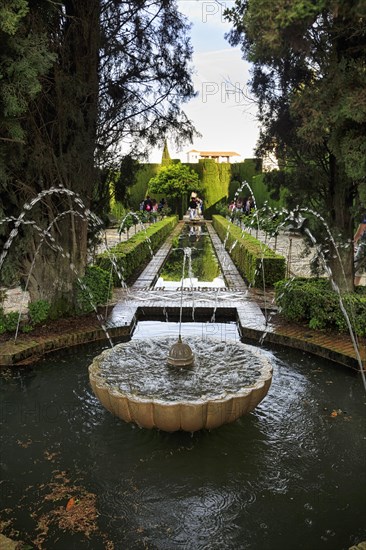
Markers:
<point>8,321</point>
<point>314,302</point>
<point>39,311</point>
<point>94,289</point>
<point>26,328</point>
<point>2,321</point>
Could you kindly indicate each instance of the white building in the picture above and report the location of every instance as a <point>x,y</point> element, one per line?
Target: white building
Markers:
<point>194,156</point>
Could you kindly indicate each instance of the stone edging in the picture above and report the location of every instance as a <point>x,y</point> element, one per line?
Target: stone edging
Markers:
<point>26,352</point>
<point>302,344</point>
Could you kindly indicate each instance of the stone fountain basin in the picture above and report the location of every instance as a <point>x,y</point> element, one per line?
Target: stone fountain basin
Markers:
<point>187,415</point>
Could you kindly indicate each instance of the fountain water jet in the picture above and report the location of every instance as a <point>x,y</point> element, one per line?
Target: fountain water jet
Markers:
<point>180,354</point>
<point>227,381</point>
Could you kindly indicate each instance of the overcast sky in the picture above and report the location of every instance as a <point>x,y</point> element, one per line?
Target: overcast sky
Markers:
<point>220,113</point>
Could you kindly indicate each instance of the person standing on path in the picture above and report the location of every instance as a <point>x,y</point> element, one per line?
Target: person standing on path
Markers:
<point>192,208</point>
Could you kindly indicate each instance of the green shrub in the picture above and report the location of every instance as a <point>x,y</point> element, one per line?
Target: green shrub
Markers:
<point>2,321</point>
<point>10,321</point>
<point>94,289</point>
<point>314,302</point>
<point>39,311</point>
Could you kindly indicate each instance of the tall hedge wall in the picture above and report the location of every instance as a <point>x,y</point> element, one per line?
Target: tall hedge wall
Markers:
<point>215,179</point>
<point>137,192</point>
<point>220,181</point>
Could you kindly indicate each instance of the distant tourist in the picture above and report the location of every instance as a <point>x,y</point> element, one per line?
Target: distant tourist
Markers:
<point>239,204</point>
<point>360,250</point>
<point>147,204</point>
<point>162,204</point>
<point>248,206</point>
<point>199,206</point>
<point>192,208</point>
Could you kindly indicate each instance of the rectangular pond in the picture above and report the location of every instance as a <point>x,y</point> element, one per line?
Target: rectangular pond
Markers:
<point>201,272</point>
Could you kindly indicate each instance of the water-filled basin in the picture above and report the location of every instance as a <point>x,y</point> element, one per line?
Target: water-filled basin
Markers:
<point>134,382</point>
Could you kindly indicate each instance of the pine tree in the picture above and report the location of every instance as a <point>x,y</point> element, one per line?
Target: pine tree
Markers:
<point>165,159</point>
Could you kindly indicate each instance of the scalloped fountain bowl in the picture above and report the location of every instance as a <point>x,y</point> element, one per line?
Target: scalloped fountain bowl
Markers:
<point>134,381</point>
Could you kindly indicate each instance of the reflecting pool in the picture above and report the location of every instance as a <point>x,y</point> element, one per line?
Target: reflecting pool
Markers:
<point>289,475</point>
<point>206,271</point>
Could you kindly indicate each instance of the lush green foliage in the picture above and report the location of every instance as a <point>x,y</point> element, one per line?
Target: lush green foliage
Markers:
<point>8,321</point>
<point>175,182</point>
<point>314,302</point>
<point>38,311</point>
<point>94,289</point>
<point>309,78</point>
<point>256,262</point>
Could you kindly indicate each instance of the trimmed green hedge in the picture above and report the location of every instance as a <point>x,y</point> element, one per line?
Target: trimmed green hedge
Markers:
<point>248,254</point>
<point>130,257</point>
<point>313,301</point>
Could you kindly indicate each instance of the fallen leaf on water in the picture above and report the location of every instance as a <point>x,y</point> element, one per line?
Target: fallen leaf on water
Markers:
<point>70,504</point>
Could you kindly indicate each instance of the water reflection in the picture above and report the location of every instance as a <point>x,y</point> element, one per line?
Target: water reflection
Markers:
<point>206,272</point>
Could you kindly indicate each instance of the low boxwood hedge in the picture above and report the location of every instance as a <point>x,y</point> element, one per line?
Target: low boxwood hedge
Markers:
<point>314,302</point>
<point>248,254</point>
<point>129,258</point>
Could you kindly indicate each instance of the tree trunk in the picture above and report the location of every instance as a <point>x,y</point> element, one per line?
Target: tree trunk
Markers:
<point>64,138</point>
<point>341,195</point>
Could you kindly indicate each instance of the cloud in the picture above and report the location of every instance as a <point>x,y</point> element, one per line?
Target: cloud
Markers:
<point>221,112</point>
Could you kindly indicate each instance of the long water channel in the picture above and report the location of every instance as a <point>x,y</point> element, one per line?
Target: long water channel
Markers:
<point>206,271</point>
